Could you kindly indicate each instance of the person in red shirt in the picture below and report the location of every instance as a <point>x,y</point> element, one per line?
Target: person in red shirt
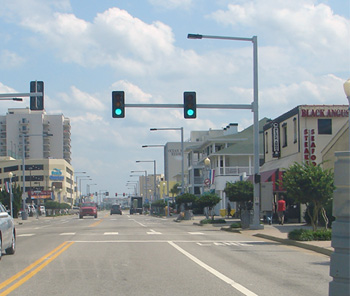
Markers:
<point>281,209</point>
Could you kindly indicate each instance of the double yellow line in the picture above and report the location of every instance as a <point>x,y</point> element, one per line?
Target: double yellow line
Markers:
<point>32,269</point>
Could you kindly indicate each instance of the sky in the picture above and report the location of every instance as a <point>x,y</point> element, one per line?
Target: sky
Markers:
<point>84,50</point>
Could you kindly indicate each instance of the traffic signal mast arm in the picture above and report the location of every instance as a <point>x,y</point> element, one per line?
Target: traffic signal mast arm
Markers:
<point>200,106</point>
<point>19,95</point>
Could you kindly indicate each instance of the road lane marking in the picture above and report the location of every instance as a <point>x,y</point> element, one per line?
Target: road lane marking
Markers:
<point>213,271</point>
<point>67,233</point>
<point>137,222</point>
<point>25,234</point>
<point>95,223</point>
<point>153,232</point>
<point>45,260</point>
<point>195,233</point>
<point>111,233</point>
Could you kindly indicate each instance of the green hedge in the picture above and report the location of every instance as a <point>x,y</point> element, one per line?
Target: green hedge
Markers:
<point>211,221</point>
<point>310,235</point>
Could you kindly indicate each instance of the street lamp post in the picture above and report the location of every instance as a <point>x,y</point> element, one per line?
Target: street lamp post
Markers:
<point>167,167</point>
<point>80,186</point>
<point>11,194</point>
<point>255,109</point>
<point>154,172</point>
<point>24,212</point>
<point>182,152</point>
<point>347,93</point>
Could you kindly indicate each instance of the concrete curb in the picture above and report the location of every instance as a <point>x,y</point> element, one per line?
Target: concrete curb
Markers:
<point>296,244</point>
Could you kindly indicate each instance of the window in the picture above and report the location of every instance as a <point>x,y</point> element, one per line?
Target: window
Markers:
<point>325,126</point>
<point>266,143</point>
<point>295,127</point>
<point>284,134</point>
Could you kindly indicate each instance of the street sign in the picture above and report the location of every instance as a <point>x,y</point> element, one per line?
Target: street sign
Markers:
<point>207,182</point>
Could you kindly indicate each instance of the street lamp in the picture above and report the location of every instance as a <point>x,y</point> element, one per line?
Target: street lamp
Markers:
<point>88,179</point>
<point>255,109</point>
<point>154,172</point>
<point>167,161</point>
<point>24,212</point>
<point>347,92</point>
<point>182,151</point>
<point>11,195</point>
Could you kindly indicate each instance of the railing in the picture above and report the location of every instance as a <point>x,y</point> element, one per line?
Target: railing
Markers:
<point>233,171</point>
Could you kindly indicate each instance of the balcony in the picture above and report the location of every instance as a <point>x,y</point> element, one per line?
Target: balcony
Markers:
<point>233,171</point>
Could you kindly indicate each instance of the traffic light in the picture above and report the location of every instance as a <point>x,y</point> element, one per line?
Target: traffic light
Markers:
<point>37,103</point>
<point>118,106</point>
<point>190,108</point>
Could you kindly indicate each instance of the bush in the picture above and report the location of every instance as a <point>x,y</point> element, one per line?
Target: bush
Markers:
<point>211,221</point>
<point>310,235</point>
<point>236,225</point>
<point>323,235</point>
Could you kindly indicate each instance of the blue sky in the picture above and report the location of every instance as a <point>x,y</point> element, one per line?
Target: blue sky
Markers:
<point>83,50</point>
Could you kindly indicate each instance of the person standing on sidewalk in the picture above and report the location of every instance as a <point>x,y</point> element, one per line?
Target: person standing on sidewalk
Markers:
<point>228,210</point>
<point>281,209</point>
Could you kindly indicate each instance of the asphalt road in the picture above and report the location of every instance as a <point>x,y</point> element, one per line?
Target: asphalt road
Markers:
<point>142,255</point>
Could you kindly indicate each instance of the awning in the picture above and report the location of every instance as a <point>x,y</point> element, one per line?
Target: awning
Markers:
<point>265,176</point>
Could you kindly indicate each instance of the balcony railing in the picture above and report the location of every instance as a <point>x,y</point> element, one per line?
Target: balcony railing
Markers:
<point>233,171</point>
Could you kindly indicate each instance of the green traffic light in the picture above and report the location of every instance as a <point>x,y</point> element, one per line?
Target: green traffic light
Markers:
<point>118,112</point>
<point>190,112</point>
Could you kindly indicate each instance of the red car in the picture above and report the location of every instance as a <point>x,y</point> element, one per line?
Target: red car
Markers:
<point>88,209</point>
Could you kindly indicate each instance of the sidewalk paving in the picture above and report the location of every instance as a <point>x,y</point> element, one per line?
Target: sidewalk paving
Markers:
<point>274,232</point>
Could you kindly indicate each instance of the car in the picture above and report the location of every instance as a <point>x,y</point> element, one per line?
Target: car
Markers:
<point>116,209</point>
<point>7,232</point>
<point>88,209</point>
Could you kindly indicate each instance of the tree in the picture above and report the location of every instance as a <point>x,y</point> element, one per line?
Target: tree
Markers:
<point>175,189</point>
<point>311,185</point>
<point>240,192</point>
<point>209,200</point>
<point>186,199</point>
<point>17,198</point>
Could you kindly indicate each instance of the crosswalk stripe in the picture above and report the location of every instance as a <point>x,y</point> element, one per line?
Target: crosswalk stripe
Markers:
<point>111,233</point>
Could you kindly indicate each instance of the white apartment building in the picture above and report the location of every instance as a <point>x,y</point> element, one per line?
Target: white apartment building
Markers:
<point>32,124</point>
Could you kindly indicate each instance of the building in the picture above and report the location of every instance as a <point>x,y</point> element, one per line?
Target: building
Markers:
<point>44,178</point>
<point>44,142</point>
<point>24,126</point>
<point>227,156</point>
<point>307,133</point>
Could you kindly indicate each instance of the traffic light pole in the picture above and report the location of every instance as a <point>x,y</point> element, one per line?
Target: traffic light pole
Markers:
<point>200,106</point>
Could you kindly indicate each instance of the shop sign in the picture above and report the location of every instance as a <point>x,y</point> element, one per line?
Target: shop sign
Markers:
<point>276,152</point>
<point>324,113</point>
<point>309,149</point>
<point>56,175</point>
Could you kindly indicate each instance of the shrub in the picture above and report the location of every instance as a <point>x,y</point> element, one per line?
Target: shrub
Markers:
<point>309,235</point>
<point>210,221</point>
<point>236,225</point>
<point>323,235</point>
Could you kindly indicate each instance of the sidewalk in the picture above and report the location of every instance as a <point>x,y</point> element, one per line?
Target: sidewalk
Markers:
<point>274,232</point>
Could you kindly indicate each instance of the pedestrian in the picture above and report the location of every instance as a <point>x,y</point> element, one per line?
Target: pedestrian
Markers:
<point>281,209</point>
<point>228,210</point>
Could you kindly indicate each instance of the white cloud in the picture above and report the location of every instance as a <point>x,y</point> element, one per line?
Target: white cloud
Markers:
<point>9,59</point>
<point>312,29</point>
<point>80,100</point>
<point>172,4</point>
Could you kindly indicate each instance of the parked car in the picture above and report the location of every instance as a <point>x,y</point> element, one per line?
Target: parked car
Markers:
<point>116,209</point>
<point>88,209</point>
<point>7,232</point>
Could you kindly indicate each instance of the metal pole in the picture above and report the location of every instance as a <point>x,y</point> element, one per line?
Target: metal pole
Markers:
<point>155,181</point>
<point>24,212</point>
<point>182,162</point>
<point>256,217</point>
<point>255,109</point>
